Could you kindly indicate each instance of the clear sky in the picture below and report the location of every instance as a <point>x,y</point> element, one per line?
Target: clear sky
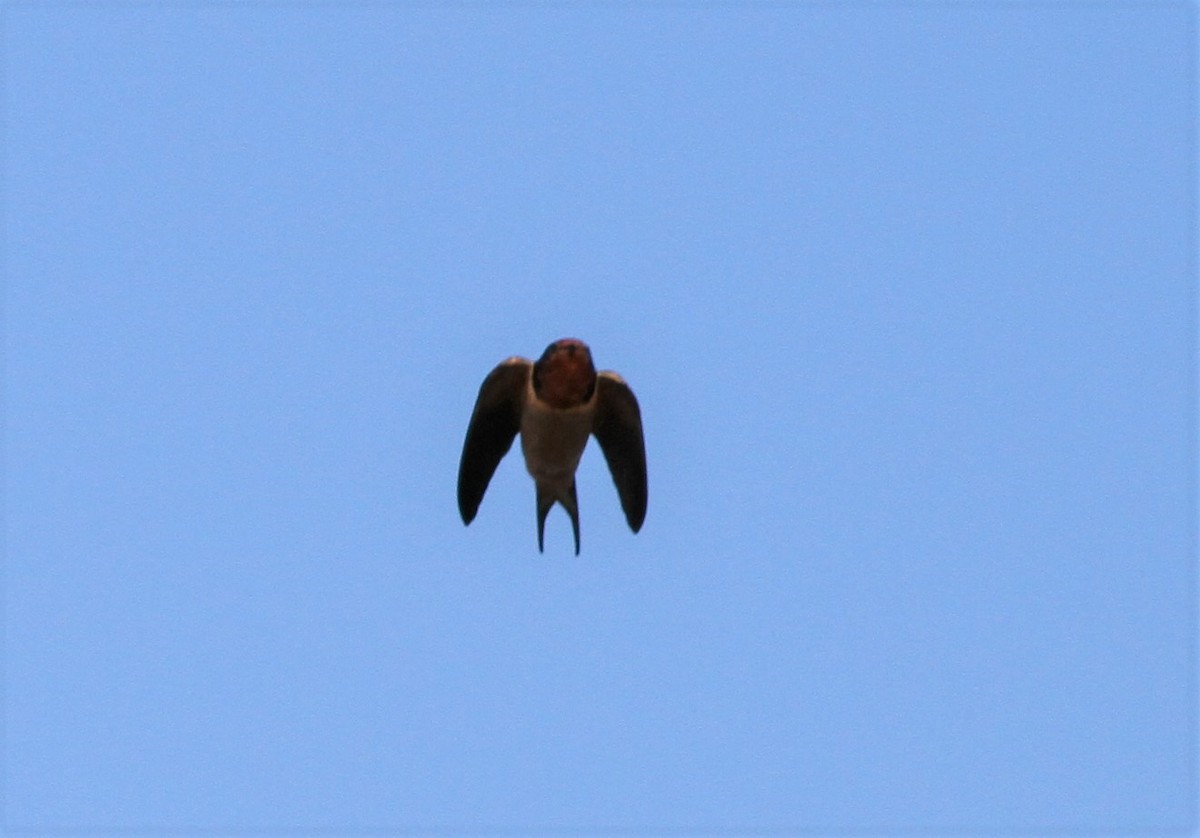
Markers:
<point>907,293</point>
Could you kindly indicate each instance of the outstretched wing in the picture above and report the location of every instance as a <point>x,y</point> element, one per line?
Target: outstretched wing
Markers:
<point>494,425</point>
<point>617,426</point>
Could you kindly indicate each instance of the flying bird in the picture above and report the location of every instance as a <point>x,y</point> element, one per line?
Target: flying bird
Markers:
<point>555,403</point>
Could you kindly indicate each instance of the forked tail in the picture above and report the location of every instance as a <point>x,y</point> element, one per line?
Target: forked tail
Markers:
<point>545,500</point>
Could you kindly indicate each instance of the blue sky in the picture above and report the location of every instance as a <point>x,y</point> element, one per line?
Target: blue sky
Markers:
<point>907,295</point>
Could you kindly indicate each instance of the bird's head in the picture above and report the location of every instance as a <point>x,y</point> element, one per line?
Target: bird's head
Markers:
<point>564,376</point>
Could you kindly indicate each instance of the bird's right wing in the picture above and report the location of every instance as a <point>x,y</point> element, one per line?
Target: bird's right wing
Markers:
<point>494,425</point>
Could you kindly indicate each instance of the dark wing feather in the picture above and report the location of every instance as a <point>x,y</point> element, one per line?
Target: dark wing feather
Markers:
<point>618,428</point>
<point>494,425</point>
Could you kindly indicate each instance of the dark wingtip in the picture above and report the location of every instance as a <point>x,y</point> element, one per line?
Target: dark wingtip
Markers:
<point>637,517</point>
<point>468,515</point>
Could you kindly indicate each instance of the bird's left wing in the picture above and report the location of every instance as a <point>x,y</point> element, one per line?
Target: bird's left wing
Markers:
<point>494,425</point>
<point>617,426</point>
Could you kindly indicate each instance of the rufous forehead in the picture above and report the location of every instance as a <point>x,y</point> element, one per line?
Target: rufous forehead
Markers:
<point>567,352</point>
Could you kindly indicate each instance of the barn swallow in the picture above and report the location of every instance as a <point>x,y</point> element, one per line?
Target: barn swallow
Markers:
<point>554,403</point>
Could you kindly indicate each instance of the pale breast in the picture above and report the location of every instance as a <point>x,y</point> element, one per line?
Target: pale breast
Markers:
<point>553,440</point>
